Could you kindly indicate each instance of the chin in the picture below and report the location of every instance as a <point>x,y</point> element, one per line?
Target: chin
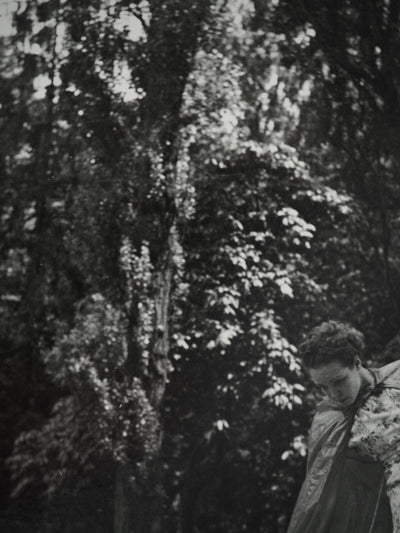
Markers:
<point>347,401</point>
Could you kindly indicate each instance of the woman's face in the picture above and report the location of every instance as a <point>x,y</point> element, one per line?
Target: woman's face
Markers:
<point>338,382</point>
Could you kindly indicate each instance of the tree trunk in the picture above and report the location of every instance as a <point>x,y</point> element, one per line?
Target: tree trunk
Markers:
<point>172,39</point>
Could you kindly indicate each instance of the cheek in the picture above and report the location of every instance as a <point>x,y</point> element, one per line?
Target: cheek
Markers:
<point>353,386</point>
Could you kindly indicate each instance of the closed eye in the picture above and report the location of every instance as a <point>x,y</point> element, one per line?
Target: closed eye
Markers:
<point>340,380</point>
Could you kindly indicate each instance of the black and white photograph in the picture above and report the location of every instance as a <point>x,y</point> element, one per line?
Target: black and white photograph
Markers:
<point>200,266</point>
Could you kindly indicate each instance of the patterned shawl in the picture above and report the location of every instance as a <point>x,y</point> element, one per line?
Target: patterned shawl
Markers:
<point>343,492</point>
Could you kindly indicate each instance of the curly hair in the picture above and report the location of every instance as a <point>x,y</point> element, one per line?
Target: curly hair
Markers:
<point>332,341</point>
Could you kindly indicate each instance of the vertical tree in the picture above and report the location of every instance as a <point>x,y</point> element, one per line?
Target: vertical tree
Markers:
<point>144,192</point>
<point>173,34</point>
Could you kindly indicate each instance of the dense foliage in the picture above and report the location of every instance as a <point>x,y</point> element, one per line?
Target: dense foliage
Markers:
<point>186,188</point>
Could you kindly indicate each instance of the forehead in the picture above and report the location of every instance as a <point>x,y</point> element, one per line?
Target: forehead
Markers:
<point>329,372</point>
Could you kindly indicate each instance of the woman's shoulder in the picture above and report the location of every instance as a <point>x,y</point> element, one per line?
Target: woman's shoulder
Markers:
<point>389,373</point>
<point>327,415</point>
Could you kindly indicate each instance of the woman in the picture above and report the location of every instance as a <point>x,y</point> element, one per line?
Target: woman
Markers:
<point>353,469</point>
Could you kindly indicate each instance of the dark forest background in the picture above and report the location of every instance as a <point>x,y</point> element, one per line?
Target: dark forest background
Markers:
<point>186,188</point>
